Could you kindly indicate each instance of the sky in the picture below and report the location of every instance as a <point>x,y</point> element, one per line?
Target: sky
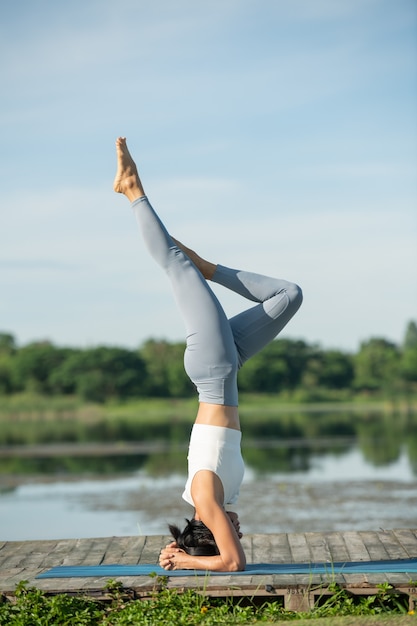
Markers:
<point>275,136</point>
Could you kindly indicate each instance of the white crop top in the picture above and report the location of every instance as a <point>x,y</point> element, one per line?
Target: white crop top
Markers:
<point>216,449</point>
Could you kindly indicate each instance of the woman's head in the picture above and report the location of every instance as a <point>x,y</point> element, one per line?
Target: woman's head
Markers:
<point>196,539</point>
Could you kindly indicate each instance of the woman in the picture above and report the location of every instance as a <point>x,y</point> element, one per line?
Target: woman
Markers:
<point>216,349</point>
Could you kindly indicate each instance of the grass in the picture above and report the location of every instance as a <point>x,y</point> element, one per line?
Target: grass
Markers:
<point>36,405</point>
<point>171,607</point>
<point>357,620</point>
<point>67,415</point>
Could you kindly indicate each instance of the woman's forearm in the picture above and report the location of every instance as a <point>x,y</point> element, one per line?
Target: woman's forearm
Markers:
<point>213,563</point>
<point>173,558</point>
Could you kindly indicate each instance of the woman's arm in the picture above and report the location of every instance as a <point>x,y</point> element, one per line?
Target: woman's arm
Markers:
<point>175,558</point>
<point>207,492</point>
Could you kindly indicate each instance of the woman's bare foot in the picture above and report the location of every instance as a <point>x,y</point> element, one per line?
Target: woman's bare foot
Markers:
<point>205,267</point>
<point>127,179</point>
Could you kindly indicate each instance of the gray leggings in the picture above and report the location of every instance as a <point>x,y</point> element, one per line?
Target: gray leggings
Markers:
<point>216,346</point>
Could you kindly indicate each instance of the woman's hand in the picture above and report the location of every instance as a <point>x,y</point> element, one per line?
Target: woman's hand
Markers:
<point>235,521</point>
<point>172,557</point>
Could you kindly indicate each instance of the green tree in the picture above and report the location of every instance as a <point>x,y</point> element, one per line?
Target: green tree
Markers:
<point>330,369</point>
<point>33,365</point>
<point>156,356</point>
<point>376,365</point>
<point>264,374</point>
<point>179,385</point>
<point>165,367</point>
<point>6,374</point>
<point>410,338</point>
<point>101,373</point>
<point>7,343</point>
<point>337,370</point>
<point>408,367</point>
<point>7,350</point>
<point>278,366</point>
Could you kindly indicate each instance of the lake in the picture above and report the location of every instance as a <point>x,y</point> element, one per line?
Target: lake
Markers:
<point>336,483</point>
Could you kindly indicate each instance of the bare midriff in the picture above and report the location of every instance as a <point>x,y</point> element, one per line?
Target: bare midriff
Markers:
<point>218,415</point>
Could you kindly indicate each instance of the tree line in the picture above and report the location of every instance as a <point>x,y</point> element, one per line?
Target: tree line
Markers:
<point>155,369</point>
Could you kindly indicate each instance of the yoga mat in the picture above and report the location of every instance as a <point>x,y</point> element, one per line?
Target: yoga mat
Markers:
<point>407,566</point>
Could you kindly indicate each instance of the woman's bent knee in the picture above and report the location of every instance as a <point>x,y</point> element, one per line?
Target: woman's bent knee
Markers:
<point>295,294</point>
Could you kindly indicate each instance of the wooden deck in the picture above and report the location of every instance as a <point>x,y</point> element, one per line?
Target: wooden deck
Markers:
<point>23,560</point>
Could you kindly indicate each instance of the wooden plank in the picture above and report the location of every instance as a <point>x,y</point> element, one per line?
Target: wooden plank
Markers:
<point>355,580</point>
<point>271,549</point>
<point>284,580</point>
<point>26,559</point>
<point>298,599</point>
<point>38,553</point>
<point>391,544</point>
<point>131,582</point>
<point>15,552</point>
<point>3,553</point>
<point>88,583</point>
<point>66,585</point>
<point>300,551</point>
<point>12,577</point>
<point>260,548</point>
<point>318,547</point>
<point>355,546</point>
<point>408,539</point>
<point>337,547</point>
<point>86,551</point>
<point>57,555</point>
<point>96,550</point>
<point>42,547</point>
<point>133,550</point>
<point>14,560</point>
<point>152,548</point>
<point>374,546</point>
<point>116,548</point>
<point>392,578</point>
<point>247,545</point>
<point>280,549</point>
<point>76,550</point>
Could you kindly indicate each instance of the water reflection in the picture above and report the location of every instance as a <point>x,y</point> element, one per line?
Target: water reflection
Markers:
<point>324,473</point>
<point>340,491</point>
<point>262,456</point>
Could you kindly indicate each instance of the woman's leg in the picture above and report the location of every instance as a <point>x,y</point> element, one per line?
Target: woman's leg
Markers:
<point>211,355</point>
<point>278,301</point>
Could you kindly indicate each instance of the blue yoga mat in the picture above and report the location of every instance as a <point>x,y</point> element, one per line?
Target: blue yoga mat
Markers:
<point>406,566</point>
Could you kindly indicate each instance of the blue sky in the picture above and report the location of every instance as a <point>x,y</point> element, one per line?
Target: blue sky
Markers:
<point>276,136</point>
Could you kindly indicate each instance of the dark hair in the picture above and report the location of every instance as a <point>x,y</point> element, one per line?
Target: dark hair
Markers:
<point>196,539</point>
